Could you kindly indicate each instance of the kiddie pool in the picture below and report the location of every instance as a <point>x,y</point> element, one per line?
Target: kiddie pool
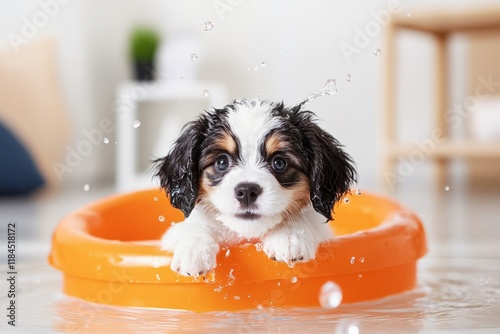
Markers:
<point>108,253</point>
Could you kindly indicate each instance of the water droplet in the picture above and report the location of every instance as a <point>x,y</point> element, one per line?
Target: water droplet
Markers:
<point>301,231</point>
<point>483,280</point>
<point>362,260</point>
<point>258,246</point>
<point>279,283</point>
<point>358,192</point>
<point>255,68</point>
<point>360,276</point>
<point>157,277</point>
<point>446,188</point>
<point>262,64</point>
<point>183,76</point>
<point>348,77</point>
<point>161,219</point>
<point>155,199</point>
<point>228,252</point>
<point>353,329</point>
<point>330,87</point>
<point>208,26</point>
<point>218,289</point>
<point>293,279</point>
<point>136,124</point>
<point>248,68</point>
<point>353,259</point>
<point>194,57</point>
<point>106,140</point>
<point>311,98</point>
<point>408,15</point>
<point>330,295</point>
<point>86,187</point>
<point>377,52</point>
<point>205,93</point>
<point>346,200</point>
<point>291,264</point>
<point>236,297</point>
<point>172,224</point>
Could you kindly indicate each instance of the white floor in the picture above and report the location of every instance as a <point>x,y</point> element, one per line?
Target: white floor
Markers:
<point>459,279</point>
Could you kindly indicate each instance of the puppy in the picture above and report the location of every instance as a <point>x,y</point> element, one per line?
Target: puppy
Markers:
<point>253,171</point>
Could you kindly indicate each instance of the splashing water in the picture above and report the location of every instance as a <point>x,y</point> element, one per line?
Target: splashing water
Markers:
<point>329,88</point>
<point>293,280</point>
<point>194,57</point>
<point>377,52</point>
<point>208,26</point>
<point>86,187</point>
<point>358,192</point>
<point>136,124</point>
<point>205,93</point>
<point>353,259</point>
<point>155,199</point>
<point>330,295</point>
<point>106,140</point>
<point>161,219</point>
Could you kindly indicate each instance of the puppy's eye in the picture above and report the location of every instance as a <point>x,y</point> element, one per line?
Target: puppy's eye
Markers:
<point>278,164</point>
<point>222,163</point>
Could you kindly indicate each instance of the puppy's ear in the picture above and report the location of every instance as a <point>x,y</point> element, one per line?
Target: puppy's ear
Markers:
<point>179,171</point>
<point>331,170</point>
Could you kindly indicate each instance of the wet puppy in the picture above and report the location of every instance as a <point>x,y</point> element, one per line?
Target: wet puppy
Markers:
<point>252,171</point>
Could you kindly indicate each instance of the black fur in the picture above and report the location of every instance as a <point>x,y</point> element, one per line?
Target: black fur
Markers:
<point>331,170</point>
<point>179,172</point>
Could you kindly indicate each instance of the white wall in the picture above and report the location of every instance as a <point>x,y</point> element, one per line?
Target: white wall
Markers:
<point>298,40</point>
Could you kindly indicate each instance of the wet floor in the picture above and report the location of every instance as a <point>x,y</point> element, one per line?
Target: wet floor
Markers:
<point>458,282</point>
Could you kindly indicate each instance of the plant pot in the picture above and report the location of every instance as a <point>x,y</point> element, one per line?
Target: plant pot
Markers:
<point>144,71</point>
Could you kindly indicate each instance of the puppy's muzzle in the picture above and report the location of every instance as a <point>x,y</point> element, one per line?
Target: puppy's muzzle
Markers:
<point>247,193</point>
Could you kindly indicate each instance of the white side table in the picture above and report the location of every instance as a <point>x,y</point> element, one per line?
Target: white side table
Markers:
<point>129,95</point>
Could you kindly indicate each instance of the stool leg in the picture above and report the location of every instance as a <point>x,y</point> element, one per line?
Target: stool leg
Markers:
<point>441,163</point>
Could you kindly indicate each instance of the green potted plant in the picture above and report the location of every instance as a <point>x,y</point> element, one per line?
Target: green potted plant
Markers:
<point>143,45</point>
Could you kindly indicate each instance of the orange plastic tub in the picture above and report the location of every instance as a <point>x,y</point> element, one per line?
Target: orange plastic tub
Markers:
<point>108,253</point>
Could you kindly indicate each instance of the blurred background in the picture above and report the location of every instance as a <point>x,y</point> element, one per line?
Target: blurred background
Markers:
<point>91,91</point>
<point>84,50</point>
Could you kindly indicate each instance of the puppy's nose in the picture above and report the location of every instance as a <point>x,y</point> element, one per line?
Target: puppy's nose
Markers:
<point>247,193</point>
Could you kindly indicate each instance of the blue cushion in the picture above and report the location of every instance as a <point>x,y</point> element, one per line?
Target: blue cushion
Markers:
<point>18,173</point>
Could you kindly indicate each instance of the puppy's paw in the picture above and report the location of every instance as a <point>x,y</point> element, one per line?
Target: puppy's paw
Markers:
<point>194,256</point>
<point>289,246</point>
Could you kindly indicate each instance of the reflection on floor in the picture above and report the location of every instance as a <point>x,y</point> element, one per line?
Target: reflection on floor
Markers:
<point>459,280</point>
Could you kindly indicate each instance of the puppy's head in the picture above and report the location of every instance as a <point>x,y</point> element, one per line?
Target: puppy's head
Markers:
<point>254,164</point>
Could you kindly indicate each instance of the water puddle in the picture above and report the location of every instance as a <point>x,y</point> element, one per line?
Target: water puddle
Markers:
<point>452,294</point>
